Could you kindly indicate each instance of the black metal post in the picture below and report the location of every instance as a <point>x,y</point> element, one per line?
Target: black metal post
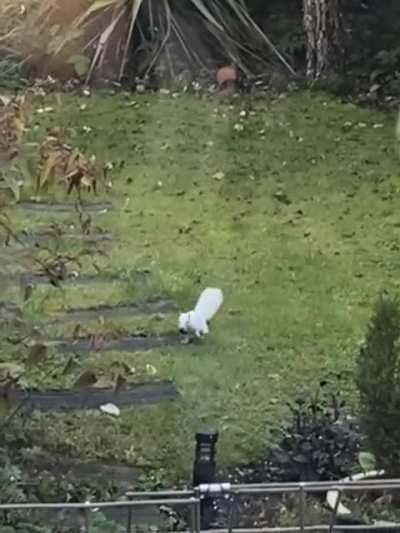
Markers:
<point>204,471</point>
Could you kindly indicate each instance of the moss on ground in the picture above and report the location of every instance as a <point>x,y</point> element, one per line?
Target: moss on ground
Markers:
<point>289,204</point>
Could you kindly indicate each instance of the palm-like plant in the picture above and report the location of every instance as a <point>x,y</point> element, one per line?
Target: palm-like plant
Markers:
<point>152,28</point>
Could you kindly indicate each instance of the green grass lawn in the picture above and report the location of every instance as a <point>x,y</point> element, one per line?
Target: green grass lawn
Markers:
<point>198,189</point>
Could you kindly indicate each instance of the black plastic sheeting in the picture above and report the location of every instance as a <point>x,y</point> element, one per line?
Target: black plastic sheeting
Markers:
<point>32,240</point>
<point>122,309</point>
<point>130,343</point>
<point>65,207</point>
<point>92,398</point>
<point>27,278</point>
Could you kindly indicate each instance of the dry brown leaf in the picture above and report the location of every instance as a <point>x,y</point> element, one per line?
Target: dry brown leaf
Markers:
<point>72,161</point>
<point>14,116</point>
<point>120,384</point>
<point>6,405</point>
<point>86,181</point>
<point>53,160</point>
<point>10,370</point>
<point>128,369</point>
<point>37,353</point>
<point>69,366</point>
<point>28,291</point>
<point>96,341</point>
<point>59,161</point>
<point>7,397</point>
<point>75,334</point>
<point>87,379</point>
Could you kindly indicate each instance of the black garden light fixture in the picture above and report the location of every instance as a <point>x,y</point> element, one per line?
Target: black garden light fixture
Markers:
<point>204,471</point>
<point>204,461</point>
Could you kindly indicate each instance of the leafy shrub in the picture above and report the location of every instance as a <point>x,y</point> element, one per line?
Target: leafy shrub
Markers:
<point>319,442</point>
<point>386,67</point>
<point>378,380</point>
<point>99,524</point>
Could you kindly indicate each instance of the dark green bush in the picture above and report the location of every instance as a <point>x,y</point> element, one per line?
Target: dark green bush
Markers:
<point>378,380</point>
<point>386,70</point>
<point>320,441</point>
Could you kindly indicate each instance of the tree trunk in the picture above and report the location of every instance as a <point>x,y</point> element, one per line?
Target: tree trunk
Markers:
<point>323,26</point>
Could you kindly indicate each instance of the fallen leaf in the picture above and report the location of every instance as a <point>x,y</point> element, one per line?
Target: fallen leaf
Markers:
<point>87,379</point>
<point>120,383</point>
<point>28,291</point>
<point>86,181</point>
<point>7,400</point>
<point>69,366</point>
<point>75,334</point>
<point>150,369</point>
<point>110,409</point>
<point>5,100</point>
<point>282,197</point>
<point>274,376</point>
<point>10,370</point>
<point>96,341</point>
<point>37,353</point>
<point>219,176</point>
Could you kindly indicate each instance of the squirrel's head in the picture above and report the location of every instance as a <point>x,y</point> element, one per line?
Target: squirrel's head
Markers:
<point>184,322</point>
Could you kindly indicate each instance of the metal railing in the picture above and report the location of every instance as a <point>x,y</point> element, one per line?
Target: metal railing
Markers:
<point>192,500</point>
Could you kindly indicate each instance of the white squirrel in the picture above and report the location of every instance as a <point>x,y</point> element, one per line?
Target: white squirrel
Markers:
<point>197,320</point>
